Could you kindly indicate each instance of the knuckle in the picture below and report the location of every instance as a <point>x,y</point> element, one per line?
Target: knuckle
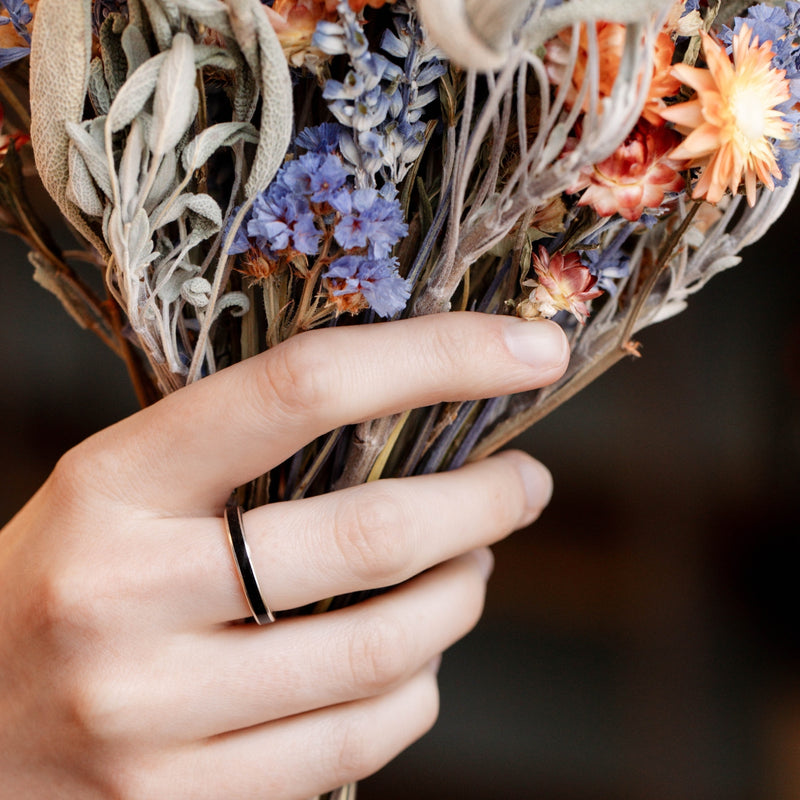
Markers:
<point>93,706</point>
<point>378,654</point>
<point>371,534</point>
<point>355,749</point>
<point>131,781</point>
<point>72,475</point>
<point>65,604</point>
<point>296,379</point>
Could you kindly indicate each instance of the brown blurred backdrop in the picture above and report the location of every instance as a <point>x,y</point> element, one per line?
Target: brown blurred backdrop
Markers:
<point>641,640</point>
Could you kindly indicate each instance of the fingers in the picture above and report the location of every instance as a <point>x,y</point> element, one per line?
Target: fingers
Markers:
<point>186,453</point>
<point>367,537</point>
<point>304,756</point>
<point>242,676</point>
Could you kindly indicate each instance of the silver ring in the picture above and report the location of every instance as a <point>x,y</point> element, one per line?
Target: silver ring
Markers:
<point>234,525</point>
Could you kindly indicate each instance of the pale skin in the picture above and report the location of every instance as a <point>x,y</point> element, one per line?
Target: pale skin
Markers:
<point>123,673</point>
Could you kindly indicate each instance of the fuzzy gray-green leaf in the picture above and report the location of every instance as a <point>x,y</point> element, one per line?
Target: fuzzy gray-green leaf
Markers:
<point>93,154</point>
<point>201,204</point>
<point>174,106</point>
<point>166,180</point>
<point>98,88</point>
<point>139,241</point>
<point>115,63</point>
<point>60,56</point>
<point>130,168</point>
<point>81,188</point>
<point>135,93</point>
<point>207,142</point>
<point>262,50</point>
<point>160,22</point>
<point>135,47</point>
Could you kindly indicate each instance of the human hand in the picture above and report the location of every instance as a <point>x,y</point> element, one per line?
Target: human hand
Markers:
<point>121,675</point>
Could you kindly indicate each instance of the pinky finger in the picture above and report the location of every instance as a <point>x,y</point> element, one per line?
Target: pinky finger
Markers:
<point>303,756</point>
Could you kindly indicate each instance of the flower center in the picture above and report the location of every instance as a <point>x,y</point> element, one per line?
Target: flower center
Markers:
<point>748,113</point>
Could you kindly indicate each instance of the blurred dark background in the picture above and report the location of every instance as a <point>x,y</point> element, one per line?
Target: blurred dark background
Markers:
<point>641,640</point>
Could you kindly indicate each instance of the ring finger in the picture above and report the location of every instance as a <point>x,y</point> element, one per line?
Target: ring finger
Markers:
<point>363,538</point>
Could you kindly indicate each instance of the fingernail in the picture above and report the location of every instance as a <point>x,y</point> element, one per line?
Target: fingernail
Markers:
<point>538,483</point>
<point>485,559</point>
<point>538,344</point>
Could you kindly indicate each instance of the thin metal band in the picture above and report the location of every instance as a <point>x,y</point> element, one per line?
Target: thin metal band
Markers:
<point>234,525</point>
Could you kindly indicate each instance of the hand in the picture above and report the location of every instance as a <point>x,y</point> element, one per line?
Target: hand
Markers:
<point>121,675</point>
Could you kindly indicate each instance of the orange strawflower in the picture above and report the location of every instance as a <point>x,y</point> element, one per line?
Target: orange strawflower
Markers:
<point>733,118</point>
<point>611,44</point>
<point>635,176</point>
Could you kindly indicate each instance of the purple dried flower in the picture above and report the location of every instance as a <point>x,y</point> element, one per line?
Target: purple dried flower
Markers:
<point>355,282</point>
<point>369,219</point>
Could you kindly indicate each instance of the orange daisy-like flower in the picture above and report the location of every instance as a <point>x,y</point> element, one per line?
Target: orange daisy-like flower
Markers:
<point>734,117</point>
<point>611,45</point>
<point>562,283</point>
<point>635,177</point>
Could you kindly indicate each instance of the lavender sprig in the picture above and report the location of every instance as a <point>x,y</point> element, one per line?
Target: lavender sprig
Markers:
<point>380,104</point>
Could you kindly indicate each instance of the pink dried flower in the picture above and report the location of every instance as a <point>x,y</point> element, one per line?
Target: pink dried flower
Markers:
<point>562,283</point>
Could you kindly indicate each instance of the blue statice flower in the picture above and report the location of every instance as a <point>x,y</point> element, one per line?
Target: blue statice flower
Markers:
<point>316,176</point>
<point>312,197</point>
<point>370,220</point>
<point>20,16</point>
<point>283,221</point>
<point>282,217</point>
<point>322,138</point>
<point>375,280</point>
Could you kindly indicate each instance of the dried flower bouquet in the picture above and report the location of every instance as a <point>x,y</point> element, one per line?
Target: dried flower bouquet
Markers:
<point>240,172</point>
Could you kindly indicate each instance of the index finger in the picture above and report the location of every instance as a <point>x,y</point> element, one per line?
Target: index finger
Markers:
<point>186,453</point>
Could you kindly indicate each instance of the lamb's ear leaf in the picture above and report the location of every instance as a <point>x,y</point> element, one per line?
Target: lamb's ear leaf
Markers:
<point>61,51</point>
<point>208,141</point>
<point>134,94</point>
<point>264,55</point>
<point>175,102</point>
